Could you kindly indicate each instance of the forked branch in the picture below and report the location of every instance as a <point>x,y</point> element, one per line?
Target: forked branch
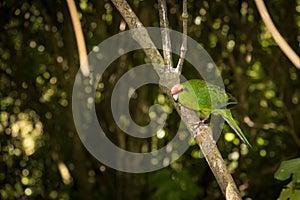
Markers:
<point>204,136</point>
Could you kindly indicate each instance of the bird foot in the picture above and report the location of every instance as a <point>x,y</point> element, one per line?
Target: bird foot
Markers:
<point>200,123</point>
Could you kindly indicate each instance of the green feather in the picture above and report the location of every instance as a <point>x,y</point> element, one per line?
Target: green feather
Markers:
<point>208,99</point>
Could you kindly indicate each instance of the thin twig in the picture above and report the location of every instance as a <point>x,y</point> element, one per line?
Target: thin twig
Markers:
<point>165,34</point>
<point>183,48</point>
<point>292,125</point>
<point>284,46</point>
<point>84,66</point>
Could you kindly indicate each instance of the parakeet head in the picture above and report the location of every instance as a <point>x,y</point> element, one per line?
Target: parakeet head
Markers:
<point>176,89</point>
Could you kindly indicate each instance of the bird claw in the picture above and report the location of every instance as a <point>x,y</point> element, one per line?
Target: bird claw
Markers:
<point>200,123</point>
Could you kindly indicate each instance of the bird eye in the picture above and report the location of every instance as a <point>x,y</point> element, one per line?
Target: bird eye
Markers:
<point>183,90</point>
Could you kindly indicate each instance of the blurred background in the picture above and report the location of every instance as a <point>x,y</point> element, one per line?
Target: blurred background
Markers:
<point>41,156</point>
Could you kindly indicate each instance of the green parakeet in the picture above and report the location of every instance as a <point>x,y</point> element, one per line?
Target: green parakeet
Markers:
<point>207,99</point>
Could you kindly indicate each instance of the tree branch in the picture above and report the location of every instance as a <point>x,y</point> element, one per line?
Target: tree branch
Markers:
<point>216,163</point>
<point>183,48</point>
<point>284,46</point>
<point>189,117</point>
<point>133,22</point>
<point>211,153</point>
<point>165,34</point>
<point>82,53</point>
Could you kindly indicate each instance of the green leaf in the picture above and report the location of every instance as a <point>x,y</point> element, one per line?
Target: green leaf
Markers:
<point>287,168</point>
<point>289,193</point>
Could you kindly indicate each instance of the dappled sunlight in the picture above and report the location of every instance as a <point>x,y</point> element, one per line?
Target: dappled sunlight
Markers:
<point>41,155</point>
<point>26,127</point>
<point>65,174</point>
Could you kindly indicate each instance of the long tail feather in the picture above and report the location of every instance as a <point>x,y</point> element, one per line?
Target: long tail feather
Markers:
<point>229,119</point>
<point>227,106</point>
